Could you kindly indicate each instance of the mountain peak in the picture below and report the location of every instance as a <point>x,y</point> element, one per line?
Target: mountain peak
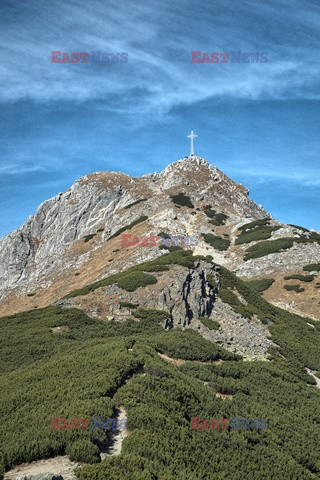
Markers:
<point>78,230</point>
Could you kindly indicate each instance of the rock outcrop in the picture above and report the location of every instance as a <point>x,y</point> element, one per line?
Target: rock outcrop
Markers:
<point>187,296</point>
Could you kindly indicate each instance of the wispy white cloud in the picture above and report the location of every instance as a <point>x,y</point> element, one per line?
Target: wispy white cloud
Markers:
<point>297,176</point>
<point>159,41</point>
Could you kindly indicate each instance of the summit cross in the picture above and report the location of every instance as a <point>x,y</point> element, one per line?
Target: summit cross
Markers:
<point>192,136</point>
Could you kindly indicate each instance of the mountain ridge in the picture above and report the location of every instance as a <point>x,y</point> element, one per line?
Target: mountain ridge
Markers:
<point>55,242</point>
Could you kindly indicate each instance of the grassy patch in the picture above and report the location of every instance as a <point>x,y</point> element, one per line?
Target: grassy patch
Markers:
<point>216,242</point>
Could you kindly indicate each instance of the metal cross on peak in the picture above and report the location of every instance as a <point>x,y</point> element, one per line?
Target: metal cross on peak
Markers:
<point>192,136</point>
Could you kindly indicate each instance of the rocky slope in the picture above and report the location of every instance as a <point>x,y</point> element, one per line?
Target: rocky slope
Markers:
<point>69,241</point>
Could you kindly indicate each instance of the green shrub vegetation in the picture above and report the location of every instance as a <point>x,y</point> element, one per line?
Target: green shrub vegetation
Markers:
<point>255,224</point>
<point>216,242</point>
<point>264,248</point>
<point>83,451</point>
<point>259,233</point>
<point>295,288</point>
<point>128,227</point>
<point>151,315</point>
<point>302,278</point>
<point>188,345</point>
<point>314,237</point>
<point>300,228</point>
<point>209,323</point>
<point>313,267</point>
<point>89,237</point>
<point>261,285</point>
<point>129,278</point>
<point>182,200</point>
<point>83,373</point>
<point>174,248</point>
<point>215,218</point>
<point>128,305</point>
<point>133,280</point>
<point>211,279</point>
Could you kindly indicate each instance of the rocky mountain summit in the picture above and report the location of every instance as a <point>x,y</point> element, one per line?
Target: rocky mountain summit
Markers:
<point>74,239</point>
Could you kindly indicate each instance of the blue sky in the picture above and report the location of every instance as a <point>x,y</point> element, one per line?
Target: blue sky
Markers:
<point>259,123</point>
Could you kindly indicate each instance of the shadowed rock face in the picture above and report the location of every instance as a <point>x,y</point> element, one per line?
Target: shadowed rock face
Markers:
<point>188,296</point>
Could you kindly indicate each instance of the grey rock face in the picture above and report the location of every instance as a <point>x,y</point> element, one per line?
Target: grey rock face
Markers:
<point>189,296</point>
<point>36,250</point>
<point>249,338</point>
<point>292,259</point>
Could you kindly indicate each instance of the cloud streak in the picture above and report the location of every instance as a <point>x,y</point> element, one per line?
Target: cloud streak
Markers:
<point>159,42</point>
